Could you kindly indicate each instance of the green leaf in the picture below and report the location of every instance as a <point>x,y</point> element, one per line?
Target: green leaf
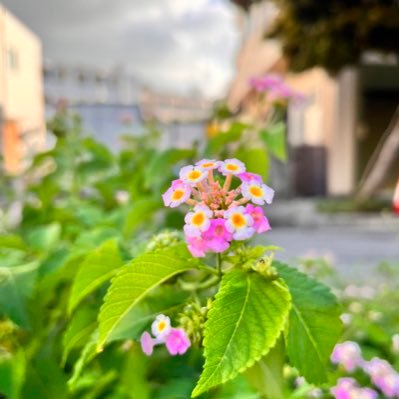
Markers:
<point>79,330</point>
<point>166,300</point>
<point>88,353</point>
<point>141,211</point>
<point>314,324</point>
<point>12,241</point>
<point>45,237</point>
<point>97,268</point>
<point>255,159</point>
<point>132,284</point>
<point>244,322</point>
<point>16,285</point>
<point>12,373</point>
<point>217,144</point>
<point>274,137</point>
<point>267,374</point>
<point>161,164</point>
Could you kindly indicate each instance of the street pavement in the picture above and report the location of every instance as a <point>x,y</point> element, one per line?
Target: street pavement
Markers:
<point>355,252</point>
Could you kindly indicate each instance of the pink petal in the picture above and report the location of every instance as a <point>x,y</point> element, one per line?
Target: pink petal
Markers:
<point>177,342</point>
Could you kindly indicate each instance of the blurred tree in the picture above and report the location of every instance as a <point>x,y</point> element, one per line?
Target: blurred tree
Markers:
<point>337,32</point>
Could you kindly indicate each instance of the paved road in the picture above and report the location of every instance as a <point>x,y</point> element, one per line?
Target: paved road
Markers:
<point>354,252</point>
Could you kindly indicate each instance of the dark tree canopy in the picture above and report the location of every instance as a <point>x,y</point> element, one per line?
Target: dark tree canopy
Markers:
<point>334,33</point>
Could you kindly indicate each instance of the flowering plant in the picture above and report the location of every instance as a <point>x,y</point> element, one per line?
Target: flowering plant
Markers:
<point>240,311</point>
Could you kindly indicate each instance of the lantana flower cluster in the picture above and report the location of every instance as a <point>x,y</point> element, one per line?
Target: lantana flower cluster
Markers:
<point>276,88</point>
<point>221,212</point>
<point>175,339</point>
<point>383,376</point>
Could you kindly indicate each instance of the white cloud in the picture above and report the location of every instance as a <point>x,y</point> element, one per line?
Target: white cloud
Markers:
<point>181,45</point>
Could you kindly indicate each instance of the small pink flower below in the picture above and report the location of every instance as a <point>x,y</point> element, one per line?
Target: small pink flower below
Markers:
<point>175,339</point>
<point>147,343</point>
<point>177,342</point>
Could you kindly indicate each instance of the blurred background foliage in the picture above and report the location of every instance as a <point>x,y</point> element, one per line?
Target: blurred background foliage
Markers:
<point>81,207</point>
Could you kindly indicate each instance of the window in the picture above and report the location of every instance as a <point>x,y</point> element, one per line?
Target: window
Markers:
<point>12,59</point>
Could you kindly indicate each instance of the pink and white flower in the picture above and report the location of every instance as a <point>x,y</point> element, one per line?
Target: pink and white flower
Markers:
<point>208,164</point>
<point>383,376</point>
<point>231,166</point>
<point>217,236</point>
<point>160,327</point>
<point>192,174</point>
<point>248,177</point>
<point>347,388</point>
<point>217,216</point>
<point>261,224</point>
<point>197,246</point>
<point>239,223</point>
<point>177,194</point>
<point>177,342</point>
<point>197,221</point>
<point>347,354</point>
<point>257,193</point>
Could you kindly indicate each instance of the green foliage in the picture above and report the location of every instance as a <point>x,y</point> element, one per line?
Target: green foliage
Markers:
<point>16,286</point>
<point>80,282</point>
<point>274,137</point>
<point>244,322</point>
<point>133,282</point>
<point>255,159</point>
<point>314,324</point>
<point>98,267</point>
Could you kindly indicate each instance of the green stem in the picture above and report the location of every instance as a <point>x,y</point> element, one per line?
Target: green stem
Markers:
<point>194,286</point>
<point>219,264</point>
<point>209,269</point>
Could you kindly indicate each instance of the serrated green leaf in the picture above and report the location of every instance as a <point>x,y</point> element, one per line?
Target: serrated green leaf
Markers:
<point>244,322</point>
<point>274,137</point>
<point>98,267</point>
<point>133,282</point>
<point>314,324</point>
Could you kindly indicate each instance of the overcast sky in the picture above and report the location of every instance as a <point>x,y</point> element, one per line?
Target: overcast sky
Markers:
<point>181,45</point>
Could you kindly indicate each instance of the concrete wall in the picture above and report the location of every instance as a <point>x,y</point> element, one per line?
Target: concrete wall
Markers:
<point>328,119</point>
<point>21,85</point>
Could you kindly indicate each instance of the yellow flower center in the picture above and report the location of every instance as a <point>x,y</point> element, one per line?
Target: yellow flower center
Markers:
<point>198,219</point>
<point>177,195</point>
<point>161,326</point>
<point>231,167</point>
<point>207,165</point>
<point>194,174</point>
<point>255,191</point>
<point>238,220</point>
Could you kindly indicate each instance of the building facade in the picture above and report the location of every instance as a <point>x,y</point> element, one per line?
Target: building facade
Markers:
<point>332,136</point>
<point>22,119</point>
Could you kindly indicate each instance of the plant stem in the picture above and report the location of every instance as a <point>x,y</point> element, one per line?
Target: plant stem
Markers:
<point>209,269</point>
<point>219,264</point>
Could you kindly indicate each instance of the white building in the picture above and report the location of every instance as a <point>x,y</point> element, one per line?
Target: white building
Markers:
<point>22,121</point>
